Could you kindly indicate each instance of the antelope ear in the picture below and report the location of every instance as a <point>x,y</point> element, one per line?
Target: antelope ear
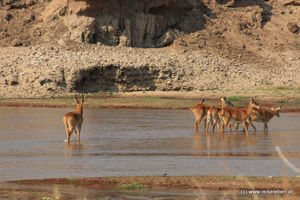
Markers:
<point>253,100</point>
<point>259,107</point>
<point>278,108</point>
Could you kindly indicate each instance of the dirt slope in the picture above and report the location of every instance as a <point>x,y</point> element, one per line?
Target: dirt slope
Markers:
<point>230,27</point>
<point>219,44</point>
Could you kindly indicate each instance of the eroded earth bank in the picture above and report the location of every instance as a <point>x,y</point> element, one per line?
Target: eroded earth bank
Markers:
<point>56,48</point>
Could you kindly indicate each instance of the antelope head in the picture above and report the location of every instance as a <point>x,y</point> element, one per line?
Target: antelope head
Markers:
<point>225,101</point>
<point>253,104</point>
<point>276,110</point>
<point>79,103</point>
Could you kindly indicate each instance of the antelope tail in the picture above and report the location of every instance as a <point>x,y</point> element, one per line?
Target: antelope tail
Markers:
<point>66,123</point>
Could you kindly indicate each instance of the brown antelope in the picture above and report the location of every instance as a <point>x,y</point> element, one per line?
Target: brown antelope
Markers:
<point>264,116</point>
<point>200,112</point>
<point>73,120</point>
<point>238,115</point>
<point>212,114</point>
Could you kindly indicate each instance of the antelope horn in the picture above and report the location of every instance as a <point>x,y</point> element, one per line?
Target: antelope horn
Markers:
<point>82,97</point>
<point>76,98</point>
<point>229,103</point>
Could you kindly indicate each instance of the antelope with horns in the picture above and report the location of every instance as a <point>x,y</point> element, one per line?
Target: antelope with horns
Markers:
<point>212,114</point>
<point>264,116</point>
<point>73,120</point>
<point>238,115</point>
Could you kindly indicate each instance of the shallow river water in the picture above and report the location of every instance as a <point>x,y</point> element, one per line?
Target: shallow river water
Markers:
<point>136,142</point>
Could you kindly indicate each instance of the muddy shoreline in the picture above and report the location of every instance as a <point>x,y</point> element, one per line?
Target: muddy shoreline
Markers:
<point>23,189</point>
<point>178,182</point>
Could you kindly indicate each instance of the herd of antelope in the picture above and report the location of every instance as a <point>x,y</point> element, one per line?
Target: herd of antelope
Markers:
<point>210,114</point>
<point>227,113</point>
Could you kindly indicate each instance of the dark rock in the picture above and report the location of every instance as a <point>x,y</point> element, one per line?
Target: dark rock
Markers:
<point>8,17</point>
<point>29,19</point>
<point>293,27</point>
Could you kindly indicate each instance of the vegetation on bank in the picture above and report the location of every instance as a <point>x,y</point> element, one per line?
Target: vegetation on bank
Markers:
<point>160,100</point>
<point>132,186</point>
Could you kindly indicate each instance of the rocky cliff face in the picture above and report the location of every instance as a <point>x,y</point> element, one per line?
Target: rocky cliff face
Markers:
<point>219,44</point>
<point>138,23</point>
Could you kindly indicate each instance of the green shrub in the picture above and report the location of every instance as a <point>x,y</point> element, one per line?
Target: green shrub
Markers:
<point>235,98</point>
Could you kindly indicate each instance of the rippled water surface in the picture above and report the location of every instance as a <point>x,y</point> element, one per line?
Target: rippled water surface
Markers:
<point>127,142</point>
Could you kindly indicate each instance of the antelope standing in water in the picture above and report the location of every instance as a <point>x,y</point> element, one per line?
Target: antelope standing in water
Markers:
<point>212,114</point>
<point>237,115</point>
<point>200,111</point>
<point>264,116</point>
<point>73,120</point>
